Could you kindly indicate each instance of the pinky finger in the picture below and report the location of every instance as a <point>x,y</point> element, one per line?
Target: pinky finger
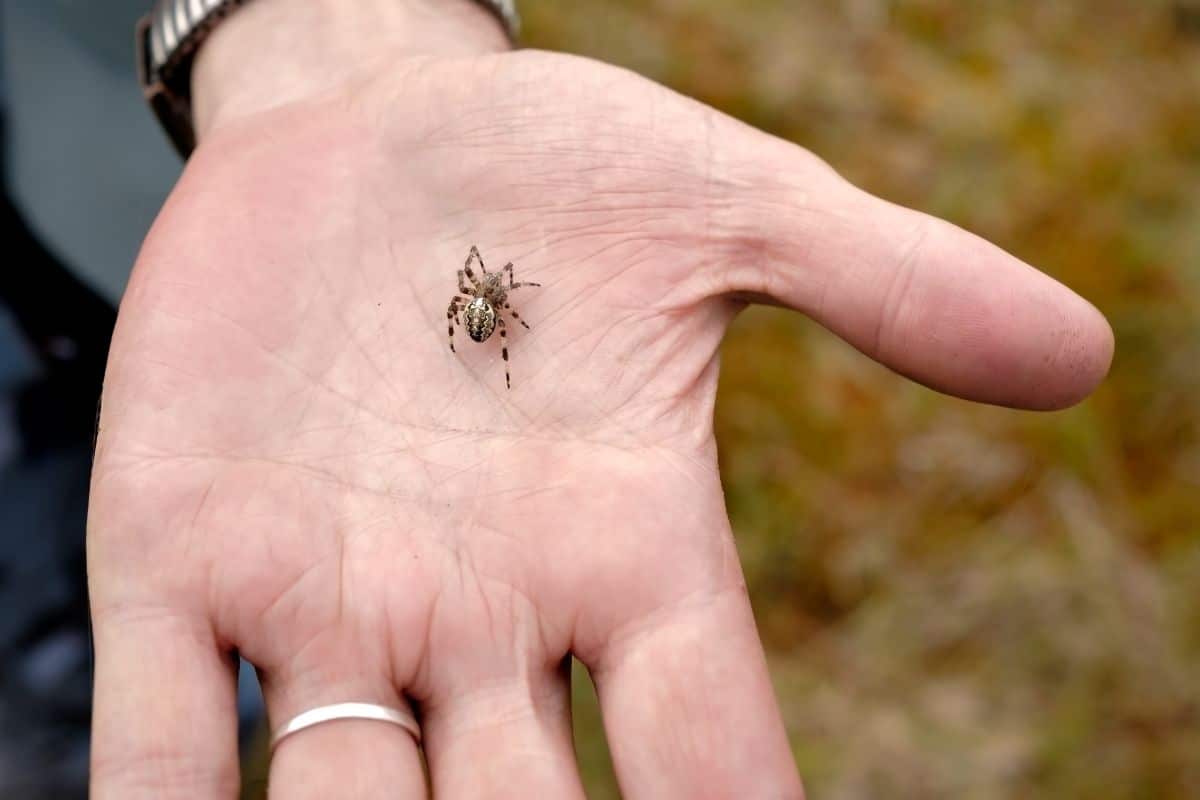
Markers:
<point>164,722</point>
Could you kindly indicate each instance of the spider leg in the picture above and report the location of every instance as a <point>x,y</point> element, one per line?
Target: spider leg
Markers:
<point>462,283</point>
<point>513,283</point>
<point>516,316</point>
<point>452,319</point>
<point>471,272</point>
<point>472,256</point>
<point>504,349</point>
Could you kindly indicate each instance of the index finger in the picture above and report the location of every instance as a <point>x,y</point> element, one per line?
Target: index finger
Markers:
<point>688,706</point>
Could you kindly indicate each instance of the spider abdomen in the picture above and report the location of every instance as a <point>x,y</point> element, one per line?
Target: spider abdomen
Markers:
<point>479,318</point>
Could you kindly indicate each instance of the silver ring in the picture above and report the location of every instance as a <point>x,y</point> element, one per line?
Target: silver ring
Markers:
<point>316,716</point>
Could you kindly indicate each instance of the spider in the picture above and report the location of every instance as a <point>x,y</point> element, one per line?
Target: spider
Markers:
<point>488,296</point>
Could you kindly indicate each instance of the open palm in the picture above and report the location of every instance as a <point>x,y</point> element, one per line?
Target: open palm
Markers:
<point>292,464</point>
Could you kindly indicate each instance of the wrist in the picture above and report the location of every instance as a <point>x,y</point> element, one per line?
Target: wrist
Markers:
<point>273,52</point>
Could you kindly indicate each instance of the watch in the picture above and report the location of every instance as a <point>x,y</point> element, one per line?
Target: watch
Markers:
<point>167,40</point>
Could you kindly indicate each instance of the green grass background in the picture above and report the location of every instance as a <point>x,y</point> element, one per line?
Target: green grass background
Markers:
<point>962,601</point>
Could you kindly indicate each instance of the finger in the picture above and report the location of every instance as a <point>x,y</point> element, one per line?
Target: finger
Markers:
<point>164,719</point>
<point>688,706</point>
<point>504,738</point>
<point>340,758</point>
<point>930,300</point>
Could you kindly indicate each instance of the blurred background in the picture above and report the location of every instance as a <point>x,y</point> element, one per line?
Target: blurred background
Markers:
<point>957,601</point>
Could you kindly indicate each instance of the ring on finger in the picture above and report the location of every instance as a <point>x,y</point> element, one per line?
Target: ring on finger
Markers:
<point>370,711</point>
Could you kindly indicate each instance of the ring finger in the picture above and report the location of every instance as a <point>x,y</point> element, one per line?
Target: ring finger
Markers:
<point>360,758</point>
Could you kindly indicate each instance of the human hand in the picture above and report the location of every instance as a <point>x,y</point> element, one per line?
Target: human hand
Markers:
<point>293,464</point>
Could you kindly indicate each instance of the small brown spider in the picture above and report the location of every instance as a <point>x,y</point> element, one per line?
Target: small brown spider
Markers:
<point>488,296</point>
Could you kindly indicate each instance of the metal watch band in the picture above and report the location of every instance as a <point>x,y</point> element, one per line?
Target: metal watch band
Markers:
<point>167,40</point>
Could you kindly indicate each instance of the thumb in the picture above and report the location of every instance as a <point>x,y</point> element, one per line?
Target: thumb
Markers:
<point>924,297</point>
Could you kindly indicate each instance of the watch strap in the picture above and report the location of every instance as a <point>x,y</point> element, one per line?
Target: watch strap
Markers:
<point>167,40</point>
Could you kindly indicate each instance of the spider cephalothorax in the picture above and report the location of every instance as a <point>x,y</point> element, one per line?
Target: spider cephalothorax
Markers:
<point>488,297</point>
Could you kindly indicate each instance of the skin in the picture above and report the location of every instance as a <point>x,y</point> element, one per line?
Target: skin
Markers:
<point>291,463</point>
